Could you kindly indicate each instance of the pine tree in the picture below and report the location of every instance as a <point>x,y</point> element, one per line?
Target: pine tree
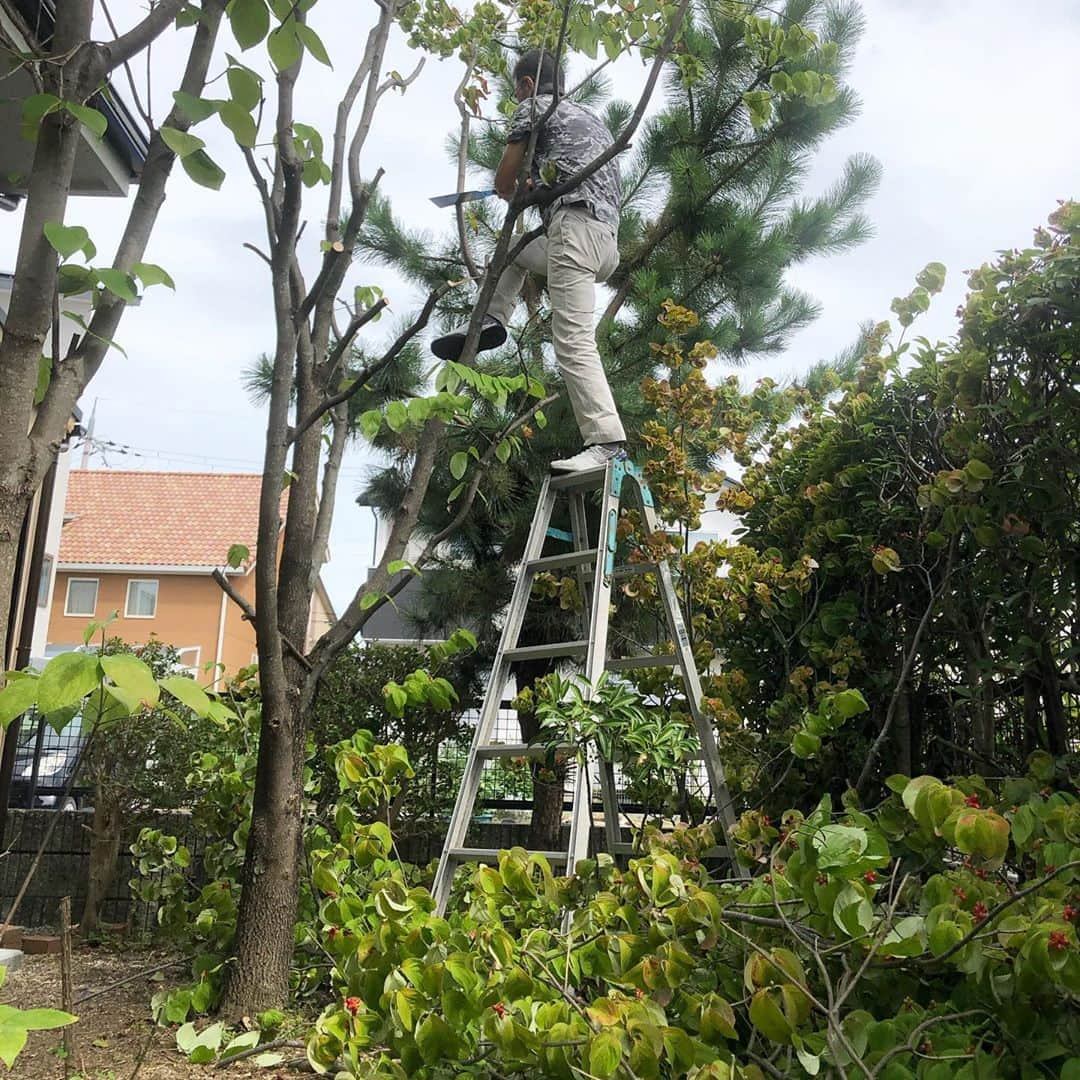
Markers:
<point>712,219</point>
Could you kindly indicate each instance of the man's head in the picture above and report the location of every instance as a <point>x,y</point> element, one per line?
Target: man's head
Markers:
<point>537,73</point>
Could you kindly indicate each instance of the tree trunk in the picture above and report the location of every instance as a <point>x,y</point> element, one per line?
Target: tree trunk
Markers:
<point>548,795</point>
<point>1057,727</point>
<point>104,849</point>
<point>13,509</point>
<point>903,733</point>
<point>258,979</point>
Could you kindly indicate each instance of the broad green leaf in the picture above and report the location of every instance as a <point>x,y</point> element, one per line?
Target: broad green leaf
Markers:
<point>605,1053</point>
<point>838,845</point>
<point>397,565</point>
<point>12,1035</point>
<point>458,464</point>
<point>66,680</point>
<point>313,43</point>
<point>245,1041</point>
<point>186,1038</point>
<point>194,108</point>
<point>979,469</point>
<point>189,692</point>
<point>397,416</point>
<point>370,422</point>
<point>268,1060</point>
<point>204,170</point>
<point>284,46</point>
<point>435,1039</point>
<point>368,600</point>
<point>240,122</point>
<point>66,239</point>
<point>181,143</point>
<point>118,283</point>
<point>849,703</point>
<point>244,86</point>
<point>35,108</point>
<point>250,21</point>
<point>150,274</point>
<point>767,1016</point>
<point>89,117</point>
<point>133,677</point>
<point>238,555</point>
<point>805,744</point>
<point>16,697</point>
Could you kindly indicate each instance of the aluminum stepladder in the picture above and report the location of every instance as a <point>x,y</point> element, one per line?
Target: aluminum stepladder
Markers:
<point>610,481</point>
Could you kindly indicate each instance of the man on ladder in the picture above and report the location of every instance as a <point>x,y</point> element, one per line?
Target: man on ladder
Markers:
<point>579,249</point>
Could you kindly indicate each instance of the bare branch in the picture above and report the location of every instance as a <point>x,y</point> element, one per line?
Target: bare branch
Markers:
<point>262,255</point>
<point>250,616</point>
<point>127,68</point>
<point>328,493</point>
<point>396,82</point>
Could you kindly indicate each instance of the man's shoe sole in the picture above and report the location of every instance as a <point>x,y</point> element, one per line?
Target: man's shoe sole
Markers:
<point>449,346</point>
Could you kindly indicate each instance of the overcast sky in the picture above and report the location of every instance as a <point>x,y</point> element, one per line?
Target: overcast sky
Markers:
<point>970,106</point>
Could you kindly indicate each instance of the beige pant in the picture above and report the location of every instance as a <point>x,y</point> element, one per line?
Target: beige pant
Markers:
<point>577,252</point>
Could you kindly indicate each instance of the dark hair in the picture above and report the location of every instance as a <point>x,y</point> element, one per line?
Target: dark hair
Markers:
<point>540,59</point>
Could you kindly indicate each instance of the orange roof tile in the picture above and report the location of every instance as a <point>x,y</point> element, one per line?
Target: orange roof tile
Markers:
<point>135,518</point>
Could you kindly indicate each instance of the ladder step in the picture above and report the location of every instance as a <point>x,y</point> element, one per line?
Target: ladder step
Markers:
<point>511,750</point>
<point>540,652</point>
<point>557,562</point>
<point>633,569</point>
<point>624,848</point>
<point>590,478</point>
<point>467,854</point>
<point>630,663</point>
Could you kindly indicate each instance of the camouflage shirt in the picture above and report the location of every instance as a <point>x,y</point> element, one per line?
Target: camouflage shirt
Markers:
<point>570,138</point>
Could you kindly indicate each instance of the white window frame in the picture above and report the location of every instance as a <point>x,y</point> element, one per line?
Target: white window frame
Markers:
<point>127,597</point>
<point>45,583</point>
<point>67,597</point>
<point>192,668</point>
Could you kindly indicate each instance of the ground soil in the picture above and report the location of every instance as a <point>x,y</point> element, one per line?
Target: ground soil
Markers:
<point>115,1038</point>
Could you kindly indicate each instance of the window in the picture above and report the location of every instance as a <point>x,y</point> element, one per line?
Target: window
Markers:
<point>141,599</point>
<point>189,657</point>
<point>46,581</point>
<point>81,596</point>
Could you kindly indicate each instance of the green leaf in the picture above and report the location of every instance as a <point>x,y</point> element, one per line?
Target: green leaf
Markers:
<point>250,20</point>
<point>133,677</point>
<point>66,239</point>
<point>66,680</point>
<point>244,87</point>
<point>89,117</point>
<point>368,600</point>
<point>805,744</point>
<point>118,283</point>
<point>767,1016</point>
<point>458,464</point>
<point>284,46</point>
<point>397,415</point>
<point>502,451</point>
<point>435,1039</point>
<point>238,555</point>
<point>204,170</point>
<point>16,697</point>
<point>189,692</point>
<point>245,1041</point>
<point>46,1019</point>
<point>849,703</point>
<point>370,422</point>
<point>181,143</point>
<point>186,1038</point>
<point>196,109</point>
<point>268,1060</point>
<point>313,43</point>
<point>838,845</point>
<point>12,1034</point>
<point>605,1053</point>
<point>35,109</point>
<point>397,565</point>
<point>240,122</point>
<point>979,469</point>
<point>151,274</point>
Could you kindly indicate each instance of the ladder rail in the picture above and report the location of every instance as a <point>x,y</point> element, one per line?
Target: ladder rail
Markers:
<point>474,763</point>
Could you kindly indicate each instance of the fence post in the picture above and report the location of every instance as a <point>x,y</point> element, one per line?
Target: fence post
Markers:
<point>67,994</point>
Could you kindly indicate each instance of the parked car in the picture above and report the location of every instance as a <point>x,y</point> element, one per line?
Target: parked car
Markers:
<point>56,756</point>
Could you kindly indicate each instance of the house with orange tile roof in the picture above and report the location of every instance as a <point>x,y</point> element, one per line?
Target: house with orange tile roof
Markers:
<point>143,545</point>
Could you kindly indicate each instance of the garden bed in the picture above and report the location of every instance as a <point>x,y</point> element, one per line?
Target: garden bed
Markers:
<point>115,1030</point>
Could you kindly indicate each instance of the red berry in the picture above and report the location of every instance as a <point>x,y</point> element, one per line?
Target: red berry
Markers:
<point>1058,941</point>
<point>332,932</point>
<point>973,801</point>
<point>766,821</point>
<point>960,894</point>
<point>980,873</point>
<point>353,1004</point>
<point>821,879</point>
<point>1068,912</point>
<point>870,877</point>
<point>639,993</point>
<point>500,1009</point>
<point>767,879</point>
<point>979,911</point>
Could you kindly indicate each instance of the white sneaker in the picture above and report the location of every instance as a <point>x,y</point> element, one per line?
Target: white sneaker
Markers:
<point>592,457</point>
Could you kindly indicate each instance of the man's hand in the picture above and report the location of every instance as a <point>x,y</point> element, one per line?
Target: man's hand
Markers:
<point>506,175</point>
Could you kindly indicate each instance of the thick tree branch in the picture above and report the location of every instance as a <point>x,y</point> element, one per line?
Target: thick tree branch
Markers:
<point>250,616</point>
<point>161,17</point>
